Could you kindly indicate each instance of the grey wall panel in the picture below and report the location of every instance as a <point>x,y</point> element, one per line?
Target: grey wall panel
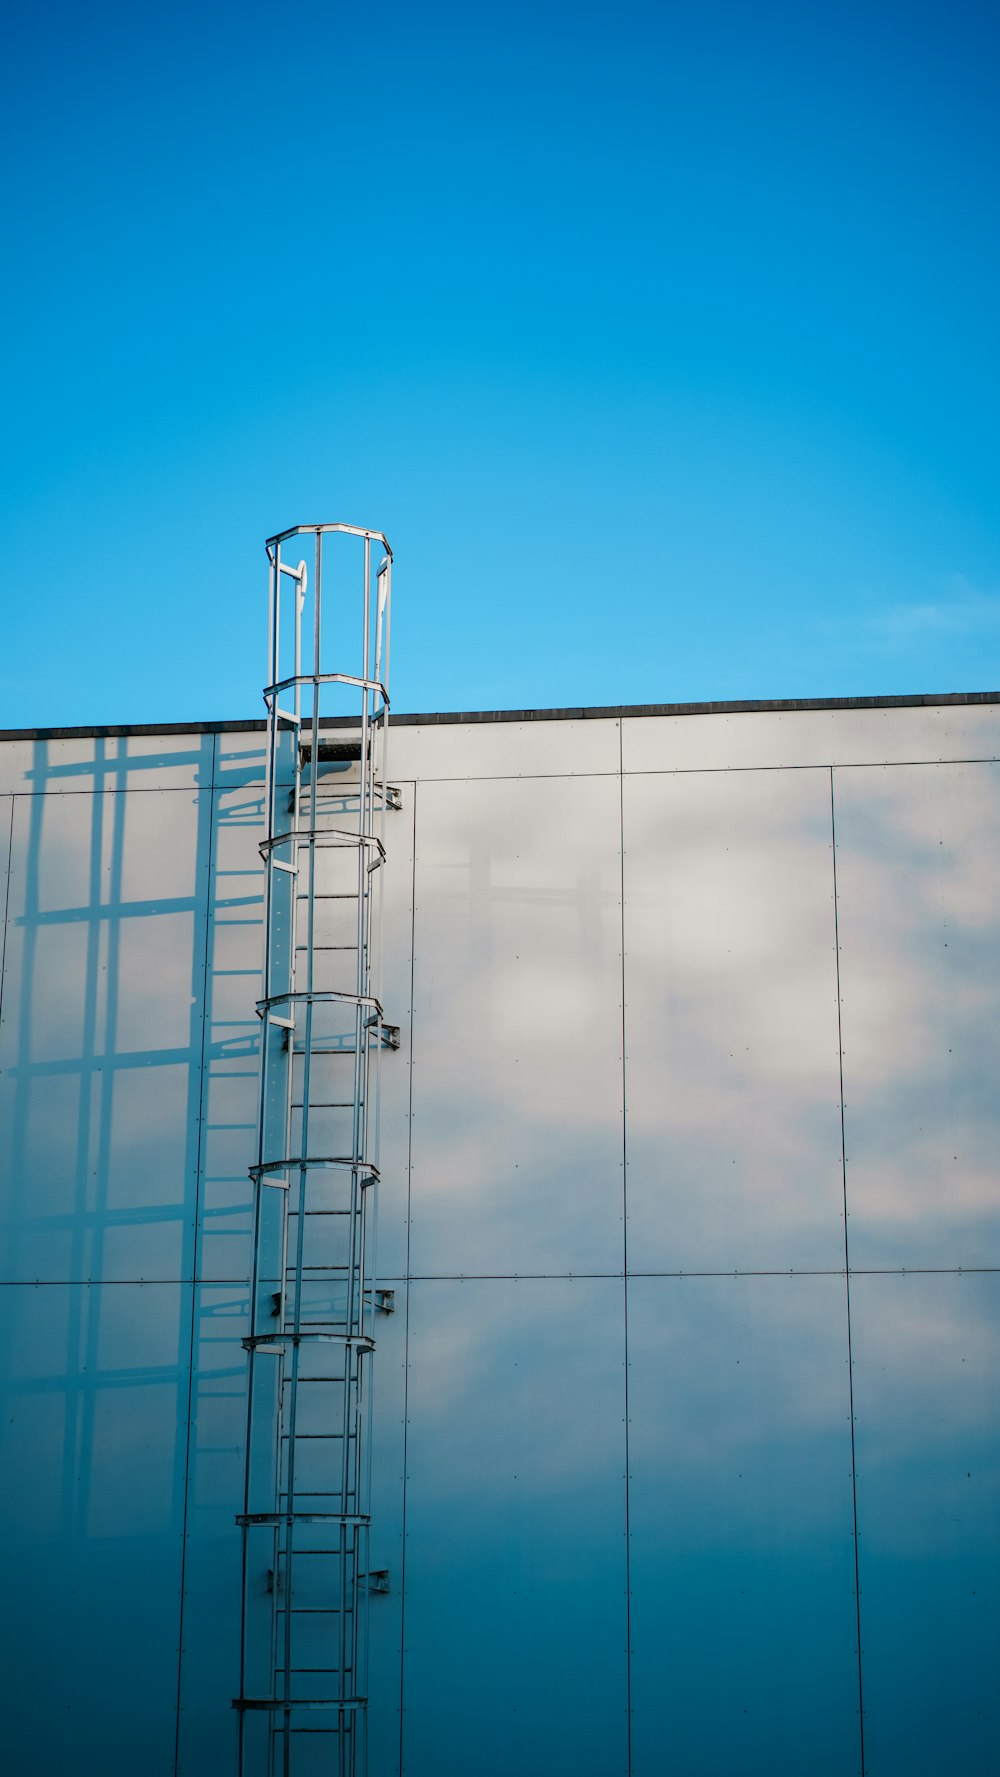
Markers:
<point>513,1584</point>
<point>772,738</point>
<point>242,759</point>
<point>232,1028</point>
<point>17,758</point>
<point>743,1621</point>
<point>119,762</point>
<point>385,1618</point>
<point>517,1098</point>
<point>732,1058</point>
<point>918,858</point>
<point>926,1361</point>
<point>515,1607</point>
<point>6,821</point>
<point>503,749</point>
<point>92,1445</point>
<point>211,1623</point>
<point>397,996</point>
<point>210,1628</point>
<point>101,1032</point>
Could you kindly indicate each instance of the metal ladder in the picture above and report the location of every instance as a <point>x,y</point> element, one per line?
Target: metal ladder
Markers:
<point>305,1575</point>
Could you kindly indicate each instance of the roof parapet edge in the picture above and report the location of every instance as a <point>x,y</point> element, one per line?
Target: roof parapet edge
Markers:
<point>583,713</point>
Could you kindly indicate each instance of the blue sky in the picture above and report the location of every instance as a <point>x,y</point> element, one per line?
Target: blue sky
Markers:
<point>661,341</point>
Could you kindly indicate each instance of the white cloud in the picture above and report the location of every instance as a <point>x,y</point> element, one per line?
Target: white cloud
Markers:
<point>963,613</point>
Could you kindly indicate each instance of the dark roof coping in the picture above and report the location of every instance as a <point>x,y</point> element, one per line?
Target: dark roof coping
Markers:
<point>598,712</point>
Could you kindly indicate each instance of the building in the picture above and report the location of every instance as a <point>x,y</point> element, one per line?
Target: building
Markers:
<point>678,991</point>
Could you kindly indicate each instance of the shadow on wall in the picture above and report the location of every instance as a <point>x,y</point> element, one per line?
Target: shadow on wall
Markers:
<point>128,1088</point>
<point>132,963</point>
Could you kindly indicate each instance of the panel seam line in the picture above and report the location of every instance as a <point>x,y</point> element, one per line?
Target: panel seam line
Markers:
<point>628,1528</point>
<point>406,1325</point>
<point>847,1275</point>
<point>6,902</point>
<point>195,1284</point>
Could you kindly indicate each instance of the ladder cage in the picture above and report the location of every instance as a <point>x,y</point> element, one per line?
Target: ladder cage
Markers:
<point>305,1571</point>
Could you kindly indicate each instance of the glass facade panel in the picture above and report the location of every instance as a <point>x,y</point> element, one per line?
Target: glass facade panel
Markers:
<point>502,1630</point>
<point>517,1077</point>
<point>92,1451</point>
<point>926,1362</point>
<point>743,1620</point>
<point>732,1065</point>
<point>918,860</point>
<point>101,1034</point>
<point>515,1605</point>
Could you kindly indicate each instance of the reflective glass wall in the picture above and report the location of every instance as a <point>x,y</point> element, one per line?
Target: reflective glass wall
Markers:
<point>686,1402</point>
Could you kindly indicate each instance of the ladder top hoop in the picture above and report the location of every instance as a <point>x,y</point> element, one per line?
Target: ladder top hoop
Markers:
<point>321,530</point>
